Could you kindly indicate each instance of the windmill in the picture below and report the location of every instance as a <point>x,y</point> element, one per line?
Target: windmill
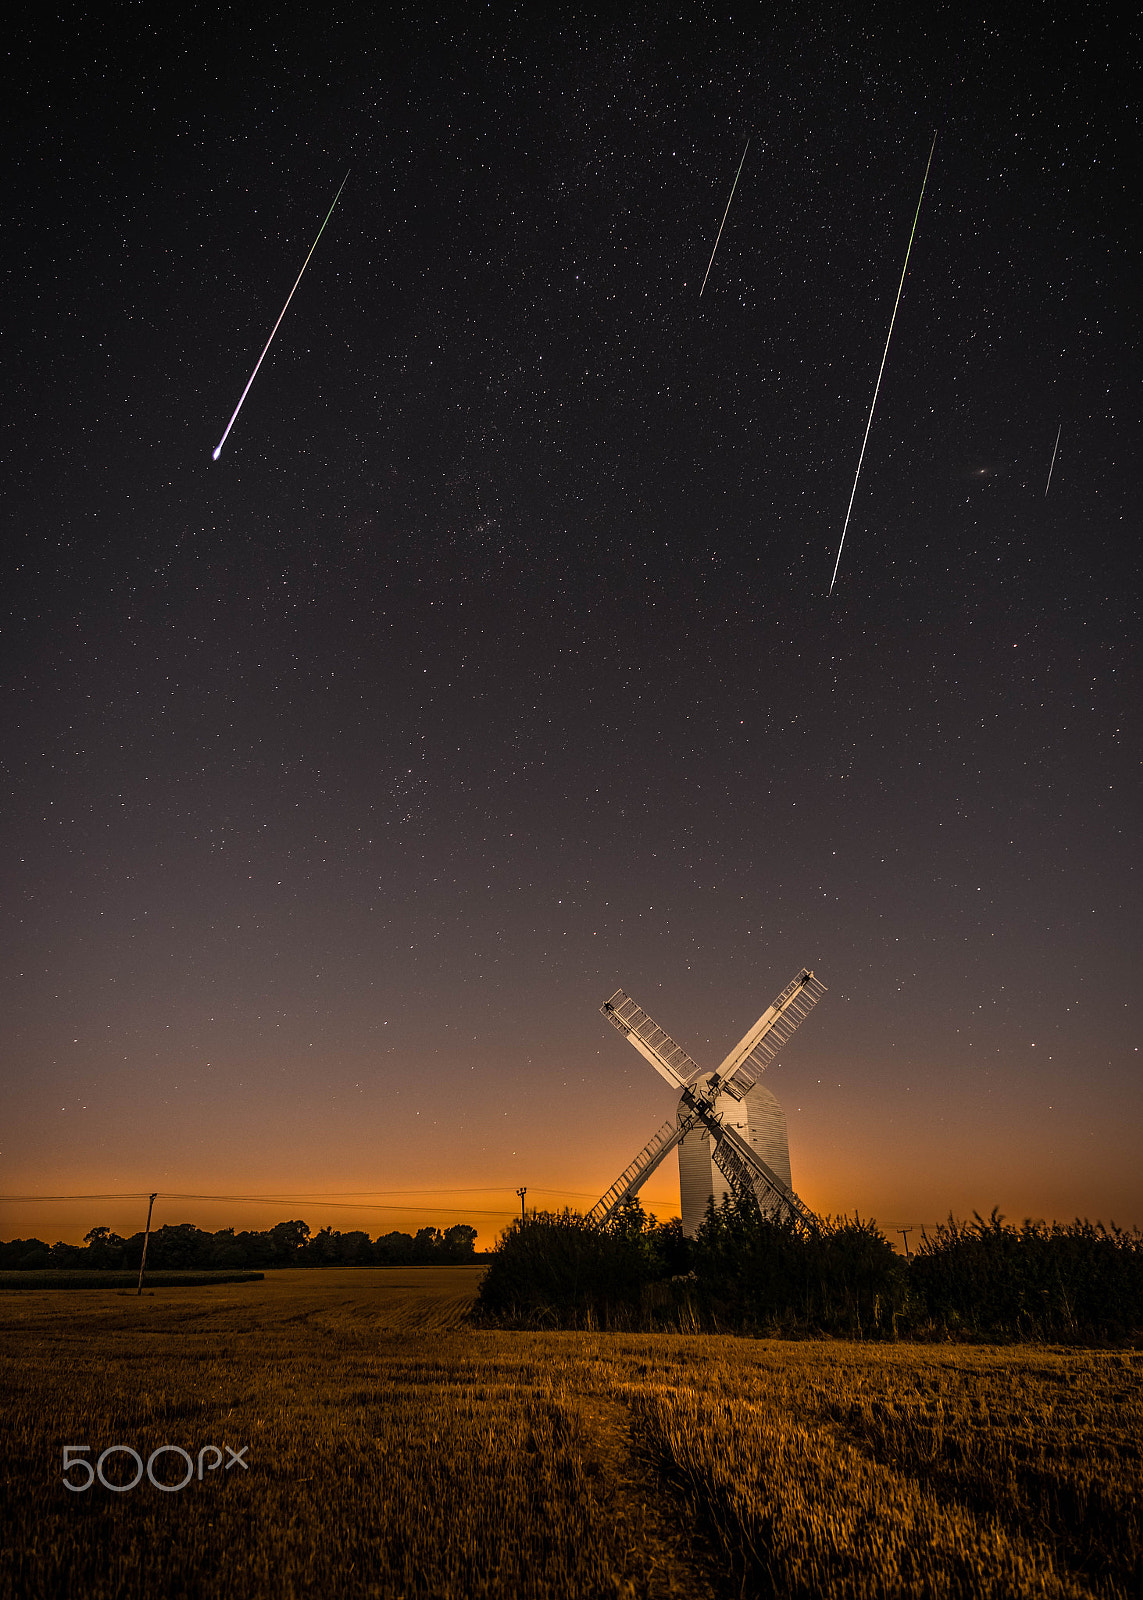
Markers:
<point>713,1122</point>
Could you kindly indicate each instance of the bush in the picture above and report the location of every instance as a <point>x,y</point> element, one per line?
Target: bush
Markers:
<point>1058,1281</point>
<point>752,1273</point>
<point>757,1272</point>
<point>556,1269</point>
<point>744,1271</point>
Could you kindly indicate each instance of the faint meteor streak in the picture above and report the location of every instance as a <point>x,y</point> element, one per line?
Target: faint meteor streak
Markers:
<point>725,214</point>
<point>877,385</point>
<point>218,447</point>
<point>1055,447</point>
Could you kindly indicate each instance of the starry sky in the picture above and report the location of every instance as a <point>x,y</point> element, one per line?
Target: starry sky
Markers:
<point>493,667</point>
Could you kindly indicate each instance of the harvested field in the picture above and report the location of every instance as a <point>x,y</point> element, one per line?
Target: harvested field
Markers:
<point>125,1281</point>
<point>392,1450</point>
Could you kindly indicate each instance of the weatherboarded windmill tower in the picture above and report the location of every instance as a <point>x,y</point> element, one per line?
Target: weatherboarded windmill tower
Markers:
<point>730,1130</point>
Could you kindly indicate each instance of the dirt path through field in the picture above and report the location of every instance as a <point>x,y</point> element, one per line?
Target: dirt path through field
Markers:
<point>645,1516</point>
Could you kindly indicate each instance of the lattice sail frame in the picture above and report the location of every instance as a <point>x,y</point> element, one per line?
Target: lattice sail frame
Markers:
<point>755,1050</point>
<point>669,1059</point>
<point>636,1173</point>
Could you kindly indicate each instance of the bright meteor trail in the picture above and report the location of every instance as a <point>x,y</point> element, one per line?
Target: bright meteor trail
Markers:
<point>725,214</point>
<point>877,385</point>
<point>218,447</point>
<point>1052,468</point>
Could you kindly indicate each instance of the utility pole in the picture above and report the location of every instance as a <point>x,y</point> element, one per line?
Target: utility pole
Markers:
<point>522,1192</point>
<point>905,1232</point>
<point>146,1238</point>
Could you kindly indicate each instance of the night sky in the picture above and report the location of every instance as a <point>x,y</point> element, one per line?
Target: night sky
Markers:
<point>492,667</point>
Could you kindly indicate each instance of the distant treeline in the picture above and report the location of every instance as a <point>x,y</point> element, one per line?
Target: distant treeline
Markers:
<point>183,1247</point>
<point>745,1272</point>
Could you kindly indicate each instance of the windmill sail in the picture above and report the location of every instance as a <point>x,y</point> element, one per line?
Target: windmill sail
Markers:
<point>669,1059</point>
<point>634,1176</point>
<point>754,1052</point>
<point>745,1171</point>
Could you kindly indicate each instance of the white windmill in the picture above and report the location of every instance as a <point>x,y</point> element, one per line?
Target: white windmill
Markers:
<point>728,1127</point>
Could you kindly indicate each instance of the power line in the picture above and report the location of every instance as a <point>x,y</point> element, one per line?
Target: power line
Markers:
<point>337,1205</point>
<point>24,1199</point>
<point>331,1197</point>
<point>290,1199</point>
<point>334,1198</point>
<point>314,1200</point>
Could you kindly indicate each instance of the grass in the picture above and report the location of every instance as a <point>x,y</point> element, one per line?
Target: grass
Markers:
<point>396,1451</point>
<point>851,1471</point>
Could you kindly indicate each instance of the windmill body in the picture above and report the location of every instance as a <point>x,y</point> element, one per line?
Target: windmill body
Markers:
<point>759,1119</point>
<point>724,1125</point>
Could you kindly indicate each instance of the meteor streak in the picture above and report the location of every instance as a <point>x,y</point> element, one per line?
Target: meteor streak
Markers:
<point>877,385</point>
<point>725,214</point>
<point>1056,446</point>
<point>218,447</point>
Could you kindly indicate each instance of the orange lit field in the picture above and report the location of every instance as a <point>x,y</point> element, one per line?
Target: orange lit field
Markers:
<point>386,1448</point>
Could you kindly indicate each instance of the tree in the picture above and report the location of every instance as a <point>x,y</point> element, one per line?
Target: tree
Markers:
<point>322,1249</point>
<point>287,1239</point>
<point>393,1249</point>
<point>427,1245</point>
<point>459,1242</point>
<point>67,1255</point>
<point>179,1247</point>
<point>225,1250</point>
<point>104,1248</point>
<point>354,1249</point>
<point>28,1255</point>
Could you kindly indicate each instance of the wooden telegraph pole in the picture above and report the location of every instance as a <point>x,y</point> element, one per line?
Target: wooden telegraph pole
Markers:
<point>905,1232</point>
<point>522,1193</point>
<point>146,1238</point>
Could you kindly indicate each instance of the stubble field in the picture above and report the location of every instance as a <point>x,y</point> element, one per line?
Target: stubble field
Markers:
<point>393,1450</point>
